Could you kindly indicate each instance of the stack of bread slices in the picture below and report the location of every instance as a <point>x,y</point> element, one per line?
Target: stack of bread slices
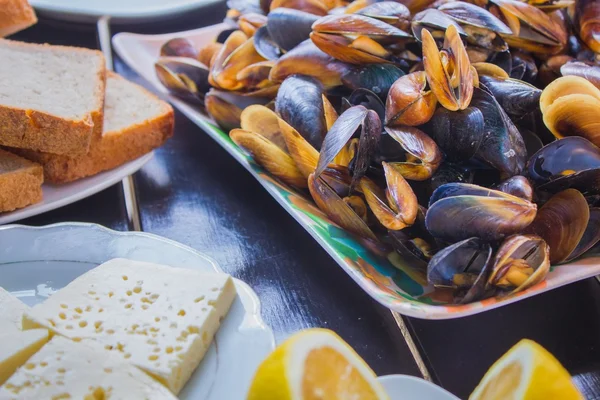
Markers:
<point>63,116</point>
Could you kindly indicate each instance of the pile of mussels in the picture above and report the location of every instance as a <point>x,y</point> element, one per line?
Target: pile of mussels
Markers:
<point>420,126</point>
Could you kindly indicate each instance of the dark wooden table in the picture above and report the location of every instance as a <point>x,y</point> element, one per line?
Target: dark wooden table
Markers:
<point>195,193</point>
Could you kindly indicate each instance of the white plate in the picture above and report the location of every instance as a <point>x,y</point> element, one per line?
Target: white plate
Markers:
<point>35,262</point>
<point>119,10</point>
<point>56,196</point>
<point>405,387</point>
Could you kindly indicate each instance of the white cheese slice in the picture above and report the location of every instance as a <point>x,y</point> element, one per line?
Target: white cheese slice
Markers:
<point>11,311</point>
<point>158,318</point>
<point>63,369</point>
<point>16,348</point>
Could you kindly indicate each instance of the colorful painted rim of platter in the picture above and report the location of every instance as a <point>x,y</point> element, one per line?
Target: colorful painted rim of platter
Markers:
<point>398,289</point>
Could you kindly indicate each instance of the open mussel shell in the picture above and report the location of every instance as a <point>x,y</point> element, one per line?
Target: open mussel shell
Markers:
<point>434,21</point>
<point>459,211</point>
<point>299,102</point>
<point>179,47</point>
<point>591,236</point>
<point>423,155</point>
<point>464,267</point>
<point>308,59</point>
<point>521,262</point>
<point>515,97</point>
<point>359,51</point>
<point>288,27</point>
<point>337,209</point>
<point>481,26</point>
<point>561,222</point>
<point>408,103</point>
<point>265,45</point>
<point>391,12</point>
<point>270,156</point>
<point>395,208</point>
<point>183,76</point>
<point>533,30</point>
<point>226,107</point>
<point>378,78</point>
<point>572,162</point>
<point>570,107</point>
<point>518,186</point>
<point>342,130</point>
<point>449,71</point>
<point>355,24</point>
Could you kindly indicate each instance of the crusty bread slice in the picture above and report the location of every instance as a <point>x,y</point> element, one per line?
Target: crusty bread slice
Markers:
<point>15,15</point>
<point>51,97</point>
<point>135,123</point>
<point>20,182</point>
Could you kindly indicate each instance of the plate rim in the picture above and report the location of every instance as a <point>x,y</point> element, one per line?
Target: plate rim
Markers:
<point>32,210</point>
<point>252,311</point>
<point>410,308</point>
<point>161,11</point>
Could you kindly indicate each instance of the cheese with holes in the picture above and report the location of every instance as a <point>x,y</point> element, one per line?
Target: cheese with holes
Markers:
<point>16,347</point>
<point>158,318</point>
<point>63,369</point>
<point>11,311</point>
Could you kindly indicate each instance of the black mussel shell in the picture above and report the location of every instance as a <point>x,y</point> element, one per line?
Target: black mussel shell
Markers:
<point>503,59</point>
<point>471,256</point>
<point>517,186</point>
<point>376,77</point>
<point>289,27</point>
<point>516,97</point>
<point>459,134</point>
<point>502,147</point>
<point>571,162</point>
<point>265,45</point>
<point>300,103</point>
<point>523,67</point>
<point>365,97</point>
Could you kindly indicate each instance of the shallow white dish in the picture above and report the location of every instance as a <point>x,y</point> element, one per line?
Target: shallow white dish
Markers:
<point>56,196</point>
<point>405,387</point>
<point>120,10</point>
<point>35,262</point>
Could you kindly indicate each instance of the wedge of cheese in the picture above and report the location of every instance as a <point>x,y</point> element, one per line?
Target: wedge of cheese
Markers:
<point>11,311</point>
<point>158,318</point>
<point>17,347</point>
<point>63,369</point>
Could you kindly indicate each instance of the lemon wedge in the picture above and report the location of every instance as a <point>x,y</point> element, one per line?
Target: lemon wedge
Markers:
<point>315,364</point>
<point>526,372</point>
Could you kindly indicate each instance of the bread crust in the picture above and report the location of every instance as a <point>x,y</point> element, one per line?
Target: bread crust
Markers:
<point>41,131</point>
<point>15,15</point>
<point>22,187</point>
<point>111,150</point>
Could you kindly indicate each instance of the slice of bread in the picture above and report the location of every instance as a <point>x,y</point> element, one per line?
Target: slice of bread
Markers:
<point>135,123</point>
<point>51,97</point>
<point>20,182</point>
<point>15,15</point>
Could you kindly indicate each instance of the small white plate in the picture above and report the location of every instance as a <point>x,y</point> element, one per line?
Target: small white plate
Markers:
<point>120,10</point>
<point>36,262</point>
<point>56,196</point>
<point>405,387</point>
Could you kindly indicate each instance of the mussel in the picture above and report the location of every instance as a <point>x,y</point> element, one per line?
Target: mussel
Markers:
<point>476,211</point>
<point>570,107</point>
<point>464,267</point>
<point>299,102</point>
<point>183,76</point>
<point>572,162</point>
<point>520,262</point>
